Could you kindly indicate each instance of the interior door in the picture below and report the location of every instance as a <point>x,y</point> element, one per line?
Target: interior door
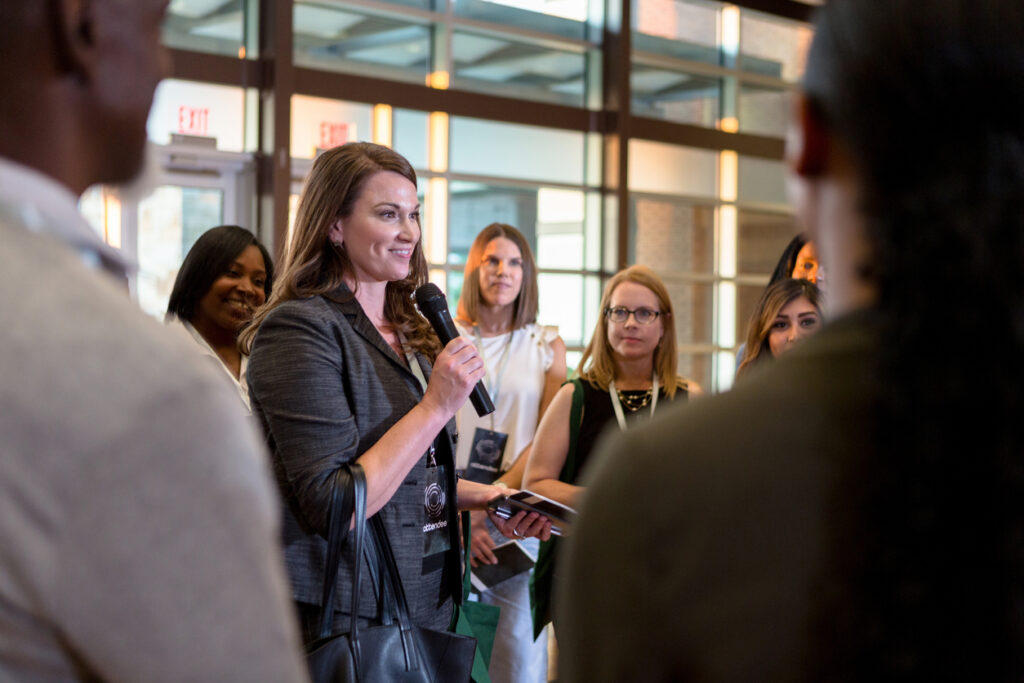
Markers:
<point>185,190</point>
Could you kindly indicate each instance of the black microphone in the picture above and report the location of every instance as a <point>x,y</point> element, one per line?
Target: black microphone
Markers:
<point>434,308</point>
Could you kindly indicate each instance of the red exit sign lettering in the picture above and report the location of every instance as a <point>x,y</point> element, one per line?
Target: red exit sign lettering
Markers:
<point>332,134</point>
<point>194,120</point>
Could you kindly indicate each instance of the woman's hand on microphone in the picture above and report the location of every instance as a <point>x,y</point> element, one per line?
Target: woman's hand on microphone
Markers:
<point>456,371</point>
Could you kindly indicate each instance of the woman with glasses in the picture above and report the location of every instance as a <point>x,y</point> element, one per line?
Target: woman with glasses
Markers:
<point>626,372</point>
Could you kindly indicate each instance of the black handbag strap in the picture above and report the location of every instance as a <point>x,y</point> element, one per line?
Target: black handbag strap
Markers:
<point>391,586</point>
<point>339,514</point>
<point>348,502</point>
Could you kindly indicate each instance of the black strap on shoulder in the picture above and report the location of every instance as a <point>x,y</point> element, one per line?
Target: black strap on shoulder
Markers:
<point>339,514</point>
<point>568,473</point>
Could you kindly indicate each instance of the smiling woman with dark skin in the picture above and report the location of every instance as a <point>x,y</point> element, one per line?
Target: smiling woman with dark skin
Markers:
<point>225,277</point>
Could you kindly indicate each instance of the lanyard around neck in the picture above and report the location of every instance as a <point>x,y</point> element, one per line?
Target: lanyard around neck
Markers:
<point>493,385</point>
<point>414,366</point>
<point>617,405</point>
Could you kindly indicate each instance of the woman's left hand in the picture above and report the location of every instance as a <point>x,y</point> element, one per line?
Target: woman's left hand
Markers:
<point>475,496</point>
<point>523,525</point>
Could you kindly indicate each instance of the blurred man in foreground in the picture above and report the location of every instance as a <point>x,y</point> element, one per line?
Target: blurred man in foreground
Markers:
<point>853,512</point>
<point>138,527</point>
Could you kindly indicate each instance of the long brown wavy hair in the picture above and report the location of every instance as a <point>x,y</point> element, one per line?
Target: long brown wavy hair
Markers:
<point>773,299</point>
<point>313,266</point>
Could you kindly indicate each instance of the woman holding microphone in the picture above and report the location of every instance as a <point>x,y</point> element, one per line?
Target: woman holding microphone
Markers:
<point>340,371</point>
<point>524,366</point>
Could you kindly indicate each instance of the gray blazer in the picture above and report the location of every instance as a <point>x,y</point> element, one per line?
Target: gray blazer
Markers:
<point>325,387</point>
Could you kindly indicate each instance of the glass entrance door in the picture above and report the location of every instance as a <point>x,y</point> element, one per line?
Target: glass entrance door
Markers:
<point>186,191</point>
<point>170,220</point>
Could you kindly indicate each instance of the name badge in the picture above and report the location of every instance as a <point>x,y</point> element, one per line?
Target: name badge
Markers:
<point>485,456</point>
<point>435,508</point>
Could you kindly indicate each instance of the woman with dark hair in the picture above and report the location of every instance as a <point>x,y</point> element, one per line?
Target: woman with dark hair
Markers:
<point>799,260</point>
<point>789,311</point>
<point>225,277</point>
<point>343,368</point>
<point>853,512</point>
<point>627,371</point>
<point>525,366</point>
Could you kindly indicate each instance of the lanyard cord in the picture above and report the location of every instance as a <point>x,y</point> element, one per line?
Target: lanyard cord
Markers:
<point>414,366</point>
<point>617,405</point>
<point>493,386</point>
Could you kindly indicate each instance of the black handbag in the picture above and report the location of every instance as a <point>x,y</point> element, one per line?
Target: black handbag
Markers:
<point>394,650</point>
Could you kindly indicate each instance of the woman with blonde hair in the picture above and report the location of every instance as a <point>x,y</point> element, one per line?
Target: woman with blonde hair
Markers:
<point>788,311</point>
<point>525,365</point>
<point>628,367</point>
<point>344,369</point>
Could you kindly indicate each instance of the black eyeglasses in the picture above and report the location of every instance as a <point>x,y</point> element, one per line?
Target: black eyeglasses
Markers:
<point>620,314</point>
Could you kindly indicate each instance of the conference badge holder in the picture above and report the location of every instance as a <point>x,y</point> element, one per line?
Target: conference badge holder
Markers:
<point>435,508</point>
<point>485,456</point>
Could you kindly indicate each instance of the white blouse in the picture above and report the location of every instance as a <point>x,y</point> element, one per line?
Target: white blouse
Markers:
<point>240,384</point>
<point>519,388</point>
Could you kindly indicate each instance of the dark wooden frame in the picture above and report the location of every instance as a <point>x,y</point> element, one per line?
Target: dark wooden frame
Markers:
<point>276,77</point>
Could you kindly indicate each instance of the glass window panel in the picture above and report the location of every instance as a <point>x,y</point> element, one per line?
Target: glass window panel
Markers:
<point>354,41</point>
<point>746,302</point>
<point>200,110</point>
<point>772,46</point>
<point>675,95</point>
<point>569,302</point>
<point>409,135</point>
<point>171,219</point>
<point>763,110</point>
<point>216,26</point>
<point>553,220</point>
<point>762,180</point>
<point>319,123</point>
<point>761,238</point>
<point>561,240</point>
<point>564,18</point>
<point>693,304</point>
<point>592,290</point>
<point>508,150</point>
<point>474,206</point>
<point>696,367</point>
<point>611,233</point>
<point>685,29</point>
<point>487,63</point>
<point>672,169</point>
<point>593,236</point>
<point>454,289</point>
<point>672,237</point>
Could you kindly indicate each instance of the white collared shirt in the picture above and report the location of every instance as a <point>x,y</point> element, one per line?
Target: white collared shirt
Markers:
<point>46,207</point>
<point>241,385</point>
